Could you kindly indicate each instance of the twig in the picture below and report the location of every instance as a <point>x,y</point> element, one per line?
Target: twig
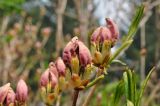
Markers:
<point>100,76</point>
<point>4,24</point>
<point>61,6</point>
<point>83,18</point>
<point>75,97</point>
<point>89,95</point>
<point>154,4</point>
<point>143,57</point>
<point>149,13</point>
<point>153,94</point>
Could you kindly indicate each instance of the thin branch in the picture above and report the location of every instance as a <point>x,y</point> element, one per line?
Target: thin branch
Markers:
<point>154,4</point>
<point>149,7</point>
<point>142,58</point>
<point>61,5</point>
<point>86,102</point>
<point>4,24</point>
<point>153,94</point>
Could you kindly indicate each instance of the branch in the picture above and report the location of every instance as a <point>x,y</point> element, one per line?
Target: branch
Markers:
<point>89,95</point>
<point>148,12</point>
<point>76,93</point>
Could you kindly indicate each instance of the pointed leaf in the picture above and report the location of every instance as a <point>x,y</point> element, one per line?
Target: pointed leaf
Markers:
<point>130,85</point>
<point>119,61</point>
<point>134,25</point>
<point>143,87</point>
<point>118,93</point>
<point>120,49</point>
<point>132,30</point>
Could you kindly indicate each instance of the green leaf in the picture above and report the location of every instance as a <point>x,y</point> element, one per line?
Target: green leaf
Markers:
<point>125,77</point>
<point>132,30</point>
<point>135,23</point>
<point>10,6</point>
<point>118,93</point>
<point>120,49</point>
<point>119,61</point>
<point>143,87</point>
<point>130,85</point>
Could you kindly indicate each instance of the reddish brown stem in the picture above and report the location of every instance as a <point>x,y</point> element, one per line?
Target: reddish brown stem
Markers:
<point>75,97</point>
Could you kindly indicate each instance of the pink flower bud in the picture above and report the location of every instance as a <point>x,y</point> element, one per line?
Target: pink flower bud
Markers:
<point>101,34</point>
<point>84,54</point>
<point>76,48</point>
<point>46,77</point>
<point>21,91</point>
<point>10,97</point>
<point>69,50</point>
<point>53,69</point>
<point>102,39</point>
<point>53,79</point>
<point>3,92</point>
<point>61,67</point>
<point>112,26</point>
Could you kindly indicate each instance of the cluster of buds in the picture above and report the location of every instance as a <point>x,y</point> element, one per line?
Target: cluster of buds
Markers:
<point>9,98</point>
<point>75,68</point>
<point>77,58</point>
<point>102,40</point>
<point>52,80</point>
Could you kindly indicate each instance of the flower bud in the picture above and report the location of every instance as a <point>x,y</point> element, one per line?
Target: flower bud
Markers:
<point>98,44</point>
<point>76,56</point>
<point>69,50</point>
<point>53,69</point>
<point>3,92</point>
<point>100,35</point>
<point>61,68</point>
<point>113,28</point>
<point>53,79</point>
<point>102,39</point>
<point>48,77</point>
<point>76,48</point>
<point>44,78</point>
<point>21,91</point>
<point>84,54</point>
<point>10,99</point>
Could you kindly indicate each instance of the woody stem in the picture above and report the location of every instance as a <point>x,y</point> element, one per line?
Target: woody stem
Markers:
<point>75,97</point>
